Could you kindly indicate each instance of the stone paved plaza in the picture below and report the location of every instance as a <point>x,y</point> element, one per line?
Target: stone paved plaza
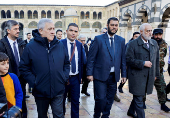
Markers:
<point>119,109</point>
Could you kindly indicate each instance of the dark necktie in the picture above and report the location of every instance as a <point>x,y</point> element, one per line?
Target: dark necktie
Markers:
<point>16,54</point>
<point>73,61</point>
<point>147,45</point>
<point>112,50</point>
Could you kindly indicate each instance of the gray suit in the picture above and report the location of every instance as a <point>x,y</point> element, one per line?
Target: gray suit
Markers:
<point>141,78</point>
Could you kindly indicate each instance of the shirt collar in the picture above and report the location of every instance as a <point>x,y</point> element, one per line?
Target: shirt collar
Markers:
<point>110,36</point>
<point>11,41</point>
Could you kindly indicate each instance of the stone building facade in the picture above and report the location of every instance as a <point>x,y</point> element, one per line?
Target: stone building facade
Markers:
<point>91,19</point>
<point>135,12</point>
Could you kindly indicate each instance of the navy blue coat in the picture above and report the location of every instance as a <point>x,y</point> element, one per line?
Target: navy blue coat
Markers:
<point>81,56</point>
<point>45,68</point>
<point>100,58</point>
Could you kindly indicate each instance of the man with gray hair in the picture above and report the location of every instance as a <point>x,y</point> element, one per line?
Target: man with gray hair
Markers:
<point>13,47</point>
<point>45,66</point>
<point>142,57</point>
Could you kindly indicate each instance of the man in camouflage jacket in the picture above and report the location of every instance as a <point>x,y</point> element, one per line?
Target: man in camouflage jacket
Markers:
<point>160,84</point>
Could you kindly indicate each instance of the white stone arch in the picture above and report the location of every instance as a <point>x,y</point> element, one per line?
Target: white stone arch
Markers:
<point>163,10</point>
<point>127,14</point>
<point>143,8</point>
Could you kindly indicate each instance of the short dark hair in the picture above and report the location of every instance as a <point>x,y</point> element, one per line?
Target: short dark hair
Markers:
<point>3,57</point>
<point>112,18</point>
<point>28,33</point>
<point>135,33</point>
<point>59,31</point>
<point>72,24</point>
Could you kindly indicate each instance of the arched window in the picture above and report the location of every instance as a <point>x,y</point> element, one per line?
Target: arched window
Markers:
<point>3,14</point>
<point>85,25</point>
<point>16,14</point>
<point>43,14</point>
<point>29,14</point>
<point>87,15</point>
<point>94,15</point>
<point>100,15</point>
<point>61,13</point>
<point>35,15</point>
<point>82,15</point>
<point>49,14</point>
<point>32,24</point>
<point>97,25</point>
<point>58,24</point>
<point>56,14</point>
<point>21,14</point>
<point>8,14</point>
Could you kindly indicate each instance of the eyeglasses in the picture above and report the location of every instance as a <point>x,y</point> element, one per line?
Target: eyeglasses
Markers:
<point>148,31</point>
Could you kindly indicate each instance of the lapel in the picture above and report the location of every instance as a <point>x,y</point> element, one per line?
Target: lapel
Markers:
<point>151,47</point>
<point>65,43</point>
<point>108,44</point>
<point>8,49</point>
<point>140,42</point>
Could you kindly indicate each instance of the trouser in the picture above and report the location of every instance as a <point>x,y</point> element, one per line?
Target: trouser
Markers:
<point>137,106</point>
<point>160,86</point>
<point>24,106</point>
<point>104,92</point>
<point>168,86</point>
<point>74,88</point>
<point>56,106</point>
<point>85,85</point>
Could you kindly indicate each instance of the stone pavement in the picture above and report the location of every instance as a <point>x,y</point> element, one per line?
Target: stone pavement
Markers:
<point>119,109</point>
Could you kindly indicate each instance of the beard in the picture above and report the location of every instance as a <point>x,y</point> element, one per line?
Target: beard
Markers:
<point>111,33</point>
<point>146,37</point>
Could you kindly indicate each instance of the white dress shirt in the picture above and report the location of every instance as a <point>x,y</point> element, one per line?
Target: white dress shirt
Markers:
<point>16,44</point>
<point>76,56</point>
<point>112,68</point>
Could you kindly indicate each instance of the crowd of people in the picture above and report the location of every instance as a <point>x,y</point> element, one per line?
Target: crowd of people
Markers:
<point>54,68</point>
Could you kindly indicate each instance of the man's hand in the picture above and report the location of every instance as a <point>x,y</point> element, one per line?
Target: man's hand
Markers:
<point>155,78</point>
<point>148,64</point>
<point>2,114</point>
<point>81,81</point>
<point>90,78</point>
<point>123,80</point>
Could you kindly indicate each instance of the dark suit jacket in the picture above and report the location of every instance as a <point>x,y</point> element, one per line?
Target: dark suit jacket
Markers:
<point>141,79</point>
<point>6,48</point>
<point>81,56</point>
<point>100,58</point>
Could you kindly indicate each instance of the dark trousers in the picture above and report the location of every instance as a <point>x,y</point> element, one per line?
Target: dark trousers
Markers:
<point>56,106</point>
<point>85,85</point>
<point>104,92</point>
<point>74,88</point>
<point>137,106</point>
<point>24,106</point>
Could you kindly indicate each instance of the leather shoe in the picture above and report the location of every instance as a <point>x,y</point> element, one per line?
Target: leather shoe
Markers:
<point>120,90</point>
<point>144,105</point>
<point>69,99</point>
<point>167,99</point>
<point>30,90</point>
<point>116,98</point>
<point>86,93</point>
<point>132,115</point>
<point>164,108</point>
<point>27,96</point>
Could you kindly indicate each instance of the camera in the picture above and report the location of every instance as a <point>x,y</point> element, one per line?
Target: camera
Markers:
<point>13,112</point>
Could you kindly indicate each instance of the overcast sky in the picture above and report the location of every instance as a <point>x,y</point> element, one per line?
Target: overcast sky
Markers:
<point>60,2</point>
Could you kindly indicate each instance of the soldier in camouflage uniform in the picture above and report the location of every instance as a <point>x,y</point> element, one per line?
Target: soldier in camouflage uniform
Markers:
<point>160,84</point>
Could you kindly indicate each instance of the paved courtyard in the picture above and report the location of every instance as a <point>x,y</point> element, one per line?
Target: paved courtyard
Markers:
<point>119,109</point>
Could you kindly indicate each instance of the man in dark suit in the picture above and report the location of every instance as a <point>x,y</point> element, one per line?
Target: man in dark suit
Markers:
<point>105,59</point>
<point>142,57</point>
<point>77,59</point>
<point>82,39</point>
<point>27,41</point>
<point>28,38</point>
<point>13,47</point>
